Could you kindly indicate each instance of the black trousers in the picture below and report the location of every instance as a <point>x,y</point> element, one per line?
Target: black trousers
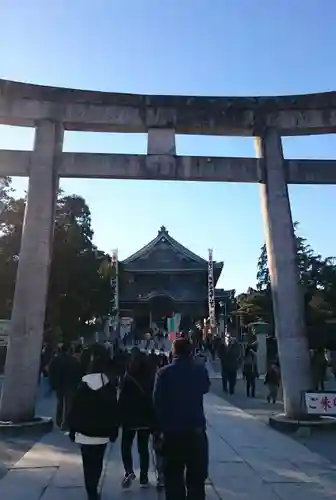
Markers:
<point>92,457</point>
<point>250,385</point>
<point>229,378</point>
<point>185,465</point>
<point>127,439</point>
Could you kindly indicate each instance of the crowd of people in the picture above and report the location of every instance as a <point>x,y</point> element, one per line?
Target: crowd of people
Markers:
<point>156,399</point>
<point>233,360</point>
<point>147,396</point>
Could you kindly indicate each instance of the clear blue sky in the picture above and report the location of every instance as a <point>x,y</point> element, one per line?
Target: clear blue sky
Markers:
<point>219,47</point>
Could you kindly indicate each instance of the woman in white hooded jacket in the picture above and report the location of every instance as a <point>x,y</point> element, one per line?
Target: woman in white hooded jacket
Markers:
<point>93,418</point>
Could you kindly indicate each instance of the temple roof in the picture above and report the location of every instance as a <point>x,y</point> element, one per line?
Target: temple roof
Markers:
<point>165,253</point>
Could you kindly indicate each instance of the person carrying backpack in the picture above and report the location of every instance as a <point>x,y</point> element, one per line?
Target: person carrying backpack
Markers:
<point>93,418</point>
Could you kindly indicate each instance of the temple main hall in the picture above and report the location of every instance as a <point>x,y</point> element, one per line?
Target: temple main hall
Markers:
<point>163,278</point>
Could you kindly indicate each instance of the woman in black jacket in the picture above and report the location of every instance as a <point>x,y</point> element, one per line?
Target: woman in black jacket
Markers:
<point>136,414</point>
<point>93,419</point>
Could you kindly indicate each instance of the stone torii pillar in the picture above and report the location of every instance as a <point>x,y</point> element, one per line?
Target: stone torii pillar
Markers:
<point>282,263</point>
<point>28,313</point>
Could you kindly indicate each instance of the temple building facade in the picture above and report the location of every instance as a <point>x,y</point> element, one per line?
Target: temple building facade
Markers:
<point>164,278</point>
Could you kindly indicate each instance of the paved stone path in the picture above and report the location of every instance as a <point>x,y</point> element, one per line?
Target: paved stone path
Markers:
<point>320,441</point>
<point>14,447</point>
<point>248,461</point>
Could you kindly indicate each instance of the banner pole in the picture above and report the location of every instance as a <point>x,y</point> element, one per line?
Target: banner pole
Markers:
<point>211,293</point>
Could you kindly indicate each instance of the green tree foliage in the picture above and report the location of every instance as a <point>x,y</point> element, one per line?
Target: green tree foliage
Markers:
<point>317,277</point>
<point>5,189</point>
<point>255,305</point>
<point>79,289</point>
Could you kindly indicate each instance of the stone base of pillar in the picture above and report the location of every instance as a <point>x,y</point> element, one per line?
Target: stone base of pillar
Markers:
<point>282,423</point>
<point>38,425</point>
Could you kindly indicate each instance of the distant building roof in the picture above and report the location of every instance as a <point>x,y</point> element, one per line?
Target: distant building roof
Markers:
<point>165,253</point>
<point>221,293</point>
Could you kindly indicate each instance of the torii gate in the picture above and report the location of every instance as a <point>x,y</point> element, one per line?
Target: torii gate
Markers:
<point>51,110</point>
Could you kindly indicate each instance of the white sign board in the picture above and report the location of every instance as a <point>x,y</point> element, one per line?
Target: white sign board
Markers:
<point>321,403</point>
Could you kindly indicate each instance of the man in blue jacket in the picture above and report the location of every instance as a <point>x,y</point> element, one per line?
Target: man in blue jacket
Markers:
<point>178,401</point>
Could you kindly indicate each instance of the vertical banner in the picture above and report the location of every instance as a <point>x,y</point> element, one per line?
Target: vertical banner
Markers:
<point>177,321</point>
<point>114,310</point>
<point>211,292</point>
<point>170,326</point>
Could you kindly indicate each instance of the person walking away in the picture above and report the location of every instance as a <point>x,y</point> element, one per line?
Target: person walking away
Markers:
<point>162,358</point>
<point>272,380</point>
<point>178,403</point>
<point>153,360</point>
<point>200,357</point>
<point>64,376</point>
<point>333,362</point>
<point>250,371</point>
<point>158,459</point>
<point>232,363</point>
<point>213,347</point>
<point>136,415</point>
<point>222,354</point>
<point>93,418</point>
<point>229,357</point>
<point>319,368</point>
<point>46,357</point>
<point>120,361</point>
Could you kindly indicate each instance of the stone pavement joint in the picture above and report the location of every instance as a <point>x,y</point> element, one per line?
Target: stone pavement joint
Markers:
<point>248,461</point>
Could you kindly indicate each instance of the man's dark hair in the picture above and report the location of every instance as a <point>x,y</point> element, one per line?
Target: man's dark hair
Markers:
<point>135,352</point>
<point>182,347</point>
<point>78,349</point>
<point>66,348</point>
<point>97,359</point>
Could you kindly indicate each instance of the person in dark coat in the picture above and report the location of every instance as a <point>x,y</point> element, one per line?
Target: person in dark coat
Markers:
<point>272,380</point>
<point>250,371</point>
<point>64,377</point>
<point>229,358</point>
<point>93,418</point>
<point>136,415</point>
<point>162,359</point>
<point>153,360</point>
<point>178,402</point>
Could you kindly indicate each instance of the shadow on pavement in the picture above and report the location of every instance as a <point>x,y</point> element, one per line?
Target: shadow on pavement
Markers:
<point>14,447</point>
<point>320,441</point>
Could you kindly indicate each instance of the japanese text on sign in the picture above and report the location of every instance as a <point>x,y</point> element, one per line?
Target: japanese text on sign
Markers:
<point>211,291</point>
<point>321,403</point>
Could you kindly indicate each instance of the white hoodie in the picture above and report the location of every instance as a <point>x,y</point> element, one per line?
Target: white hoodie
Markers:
<point>95,381</point>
